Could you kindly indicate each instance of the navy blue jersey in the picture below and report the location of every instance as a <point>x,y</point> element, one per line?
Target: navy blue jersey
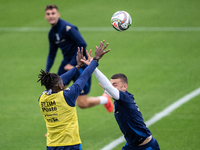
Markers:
<point>130,119</point>
<point>66,37</point>
<point>74,90</point>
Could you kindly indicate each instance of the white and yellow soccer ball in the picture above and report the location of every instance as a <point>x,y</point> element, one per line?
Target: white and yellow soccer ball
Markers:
<point>121,20</point>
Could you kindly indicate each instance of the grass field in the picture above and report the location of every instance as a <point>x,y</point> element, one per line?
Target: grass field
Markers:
<point>162,66</point>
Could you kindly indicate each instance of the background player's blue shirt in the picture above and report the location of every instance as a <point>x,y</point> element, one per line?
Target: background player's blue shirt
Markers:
<point>130,119</point>
<point>66,37</point>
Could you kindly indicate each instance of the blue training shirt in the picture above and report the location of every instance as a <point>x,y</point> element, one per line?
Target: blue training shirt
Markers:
<point>130,119</point>
<point>65,36</point>
<point>74,90</point>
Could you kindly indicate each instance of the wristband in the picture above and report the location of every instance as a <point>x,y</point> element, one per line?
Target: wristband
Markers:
<point>95,58</point>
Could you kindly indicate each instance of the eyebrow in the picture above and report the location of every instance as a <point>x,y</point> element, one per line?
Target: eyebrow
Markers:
<point>114,83</point>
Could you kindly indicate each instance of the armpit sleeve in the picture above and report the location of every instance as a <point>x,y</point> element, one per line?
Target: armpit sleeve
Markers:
<point>103,80</point>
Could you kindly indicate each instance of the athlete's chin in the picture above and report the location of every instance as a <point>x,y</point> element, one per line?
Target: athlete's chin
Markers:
<point>53,23</point>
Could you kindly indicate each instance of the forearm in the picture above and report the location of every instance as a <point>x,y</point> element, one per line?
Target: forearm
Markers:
<point>66,77</point>
<point>51,56</point>
<point>49,64</point>
<point>103,80</point>
<point>81,81</point>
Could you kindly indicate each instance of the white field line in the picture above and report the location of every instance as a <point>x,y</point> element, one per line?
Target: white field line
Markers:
<point>94,29</point>
<point>157,117</point>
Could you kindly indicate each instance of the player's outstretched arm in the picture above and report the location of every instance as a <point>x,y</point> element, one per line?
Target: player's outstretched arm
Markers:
<point>103,80</point>
<point>83,78</point>
<point>106,85</point>
<point>66,77</point>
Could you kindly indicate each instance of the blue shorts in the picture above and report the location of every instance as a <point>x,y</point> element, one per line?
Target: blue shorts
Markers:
<point>86,88</point>
<point>73,147</point>
<point>152,145</point>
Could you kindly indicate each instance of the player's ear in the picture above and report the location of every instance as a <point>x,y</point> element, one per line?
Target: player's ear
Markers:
<point>125,86</point>
<point>60,86</point>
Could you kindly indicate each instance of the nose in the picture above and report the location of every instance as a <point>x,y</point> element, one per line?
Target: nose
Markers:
<point>50,15</point>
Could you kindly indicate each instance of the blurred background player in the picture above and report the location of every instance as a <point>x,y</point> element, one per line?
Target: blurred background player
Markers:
<point>58,105</point>
<point>66,36</point>
<point>127,113</point>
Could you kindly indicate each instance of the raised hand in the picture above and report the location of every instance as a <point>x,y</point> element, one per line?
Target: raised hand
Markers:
<point>79,56</point>
<point>100,50</point>
<point>90,58</point>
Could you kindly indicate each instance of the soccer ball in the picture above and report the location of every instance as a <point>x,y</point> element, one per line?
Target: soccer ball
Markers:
<point>121,20</point>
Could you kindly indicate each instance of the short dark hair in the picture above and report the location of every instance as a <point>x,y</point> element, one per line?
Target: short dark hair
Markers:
<point>51,6</point>
<point>120,76</point>
<point>49,80</point>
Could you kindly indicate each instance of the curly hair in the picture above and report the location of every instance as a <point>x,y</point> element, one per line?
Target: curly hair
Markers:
<point>49,80</point>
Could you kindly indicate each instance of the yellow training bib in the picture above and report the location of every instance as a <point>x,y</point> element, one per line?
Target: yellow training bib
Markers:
<point>61,120</point>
